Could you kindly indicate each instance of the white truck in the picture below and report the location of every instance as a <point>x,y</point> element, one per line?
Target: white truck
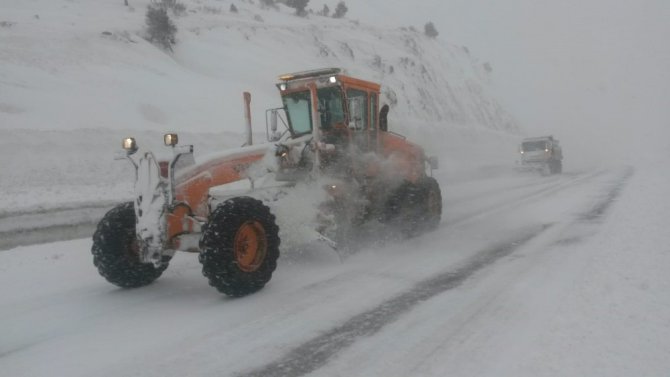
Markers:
<point>541,153</point>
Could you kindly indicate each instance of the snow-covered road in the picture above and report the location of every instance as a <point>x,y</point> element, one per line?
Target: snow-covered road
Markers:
<point>513,283</point>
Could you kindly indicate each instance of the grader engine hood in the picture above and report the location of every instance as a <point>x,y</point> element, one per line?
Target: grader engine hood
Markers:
<point>151,200</point>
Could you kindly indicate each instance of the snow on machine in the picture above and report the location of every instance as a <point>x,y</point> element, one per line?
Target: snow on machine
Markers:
<point>333,144</point>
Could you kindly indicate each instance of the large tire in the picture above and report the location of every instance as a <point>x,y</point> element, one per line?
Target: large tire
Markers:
<point>555,167</point>
<point>431,212</point>
<point>403,208</point>
<point>116,252</point>
<point>240,246</point>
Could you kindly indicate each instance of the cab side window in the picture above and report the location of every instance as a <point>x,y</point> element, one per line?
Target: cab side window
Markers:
<point>373,111</point>
<point>358,109</point>
<point>330,107</point>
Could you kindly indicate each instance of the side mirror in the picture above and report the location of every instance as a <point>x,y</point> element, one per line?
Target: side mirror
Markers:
<point>273,121</point>
<point>383,118</point>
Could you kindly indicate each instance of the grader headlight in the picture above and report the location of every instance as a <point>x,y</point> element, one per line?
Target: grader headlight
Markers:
<point>129,145</point>
<point>170,139</point>
<point>282,151</point>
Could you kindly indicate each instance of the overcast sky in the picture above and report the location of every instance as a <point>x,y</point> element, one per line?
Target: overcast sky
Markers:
<point>582,69</point>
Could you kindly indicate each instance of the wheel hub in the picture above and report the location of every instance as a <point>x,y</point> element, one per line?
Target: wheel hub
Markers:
<point>250,246</point>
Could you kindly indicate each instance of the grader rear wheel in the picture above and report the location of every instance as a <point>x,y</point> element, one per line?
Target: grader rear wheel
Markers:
<point>403,209</point>
<point>432,203</point>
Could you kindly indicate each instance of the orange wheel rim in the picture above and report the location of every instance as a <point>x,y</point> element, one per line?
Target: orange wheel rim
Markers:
<point>250,246</point>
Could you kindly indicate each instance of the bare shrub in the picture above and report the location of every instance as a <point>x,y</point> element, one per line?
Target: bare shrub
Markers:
<point>429,30</point>
<point>175,6</point>
<point>160,28</point>
<point>340,10</point>
<point>299,6</point>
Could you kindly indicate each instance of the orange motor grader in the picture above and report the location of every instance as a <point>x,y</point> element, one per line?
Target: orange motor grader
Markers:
<point>336,138</point>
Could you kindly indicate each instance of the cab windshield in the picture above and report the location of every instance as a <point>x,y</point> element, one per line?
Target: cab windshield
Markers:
<point>298,106</point>
<point>532,146</point>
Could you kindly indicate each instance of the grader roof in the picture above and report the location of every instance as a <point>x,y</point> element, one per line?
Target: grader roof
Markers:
<point>324,76</point>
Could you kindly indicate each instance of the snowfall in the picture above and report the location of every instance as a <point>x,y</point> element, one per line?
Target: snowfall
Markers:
<point>526,275</point>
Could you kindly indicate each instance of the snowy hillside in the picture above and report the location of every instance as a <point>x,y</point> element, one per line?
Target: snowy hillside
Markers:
<point>81,70</point>
<point>101,66</point>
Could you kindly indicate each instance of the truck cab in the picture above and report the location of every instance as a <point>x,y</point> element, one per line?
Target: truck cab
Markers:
<point>541,153</point>
<point>340,115</point>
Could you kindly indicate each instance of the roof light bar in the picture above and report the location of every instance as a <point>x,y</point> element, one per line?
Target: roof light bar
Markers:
<point>311,73</point>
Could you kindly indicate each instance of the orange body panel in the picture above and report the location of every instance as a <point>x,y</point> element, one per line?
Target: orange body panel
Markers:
<point>407,157</point>
<point>192,188</point>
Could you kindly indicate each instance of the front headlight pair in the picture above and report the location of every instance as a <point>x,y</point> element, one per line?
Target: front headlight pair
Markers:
<point>130,145</point>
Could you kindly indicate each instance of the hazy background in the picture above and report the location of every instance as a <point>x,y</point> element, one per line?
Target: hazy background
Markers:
<point>594,73</point>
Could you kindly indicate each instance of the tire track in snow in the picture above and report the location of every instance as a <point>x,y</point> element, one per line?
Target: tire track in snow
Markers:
<point>602,206</point>
<point>524,198</point>
<point>474,196</point>
<point>316,353</point>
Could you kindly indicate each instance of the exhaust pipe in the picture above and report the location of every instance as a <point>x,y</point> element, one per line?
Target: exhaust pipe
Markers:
<point>247,117</point>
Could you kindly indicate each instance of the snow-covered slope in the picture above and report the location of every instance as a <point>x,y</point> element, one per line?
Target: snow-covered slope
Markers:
<point>84,64</point>
<point>76,76</point>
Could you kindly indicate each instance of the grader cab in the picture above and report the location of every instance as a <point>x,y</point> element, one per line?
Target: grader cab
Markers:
<point>332,141</point>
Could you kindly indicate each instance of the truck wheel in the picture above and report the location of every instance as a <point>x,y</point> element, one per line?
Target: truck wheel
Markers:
<point>402,210</point>
<point>555,167</point>
<point>240,246</point>
<point>432,202</point>
<point>116,252</point>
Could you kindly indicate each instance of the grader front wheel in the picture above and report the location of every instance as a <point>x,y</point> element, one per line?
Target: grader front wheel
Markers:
<point>240,246</point>
<point>116,252</point>
<point>250,246</point>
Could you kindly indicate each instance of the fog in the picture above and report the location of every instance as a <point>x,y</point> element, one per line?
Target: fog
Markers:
<point>525,275</point>
<point>593,73</point>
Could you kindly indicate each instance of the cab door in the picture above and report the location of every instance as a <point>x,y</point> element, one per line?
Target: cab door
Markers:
<point>373,130</point>
<point>359,118</point>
